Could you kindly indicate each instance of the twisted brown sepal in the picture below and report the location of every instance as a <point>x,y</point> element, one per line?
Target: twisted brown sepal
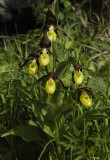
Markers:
<point>50,18</point>
<point>53,76</point>
<point>49,75</point>
<point>61,82</point>
<point>45,42</point>
<point>31,57</point>
<point>53,56</point>
<point>78,67</point>
<point>90,72</point>
<point>72,77</point>
<point>40,79</point>
<point>62,33</point>
<point>87,89</point>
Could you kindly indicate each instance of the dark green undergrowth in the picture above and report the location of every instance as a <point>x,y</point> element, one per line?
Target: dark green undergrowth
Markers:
<point>38,126</point>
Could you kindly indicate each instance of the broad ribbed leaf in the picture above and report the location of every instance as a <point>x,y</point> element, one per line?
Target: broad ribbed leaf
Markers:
<point>89,116</point>
<point>28,133</point>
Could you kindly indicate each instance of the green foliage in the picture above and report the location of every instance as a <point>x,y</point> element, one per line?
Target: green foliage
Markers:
<point>58,123</point>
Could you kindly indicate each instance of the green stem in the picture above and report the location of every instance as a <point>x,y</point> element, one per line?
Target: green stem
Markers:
<point>71,151</point>
<point>45,148</point>
<point>52,49</point>
<point>84,136</point>
<point>48,98</point>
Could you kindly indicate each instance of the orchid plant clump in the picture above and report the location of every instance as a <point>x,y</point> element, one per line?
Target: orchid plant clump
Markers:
<point>56,101</point>
<point>41,57</point>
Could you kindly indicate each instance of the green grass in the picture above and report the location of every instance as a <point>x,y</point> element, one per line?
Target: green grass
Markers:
<point>61,128</point>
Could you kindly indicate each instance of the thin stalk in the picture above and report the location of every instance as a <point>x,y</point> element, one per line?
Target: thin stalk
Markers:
<point>45,148</point>
<point>71,150</point>
<point>106,135</point>
<point>50,65</point>
<point>48,99</point>
<point>84,136</point>
<point>53,53</point>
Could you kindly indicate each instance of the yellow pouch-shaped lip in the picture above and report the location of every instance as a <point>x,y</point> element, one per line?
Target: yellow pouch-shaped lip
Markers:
<point>50,86</point>
<point>85,100</point>
<point>78,77</point>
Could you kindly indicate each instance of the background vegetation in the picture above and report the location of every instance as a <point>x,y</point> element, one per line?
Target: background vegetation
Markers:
<point>35,125</point>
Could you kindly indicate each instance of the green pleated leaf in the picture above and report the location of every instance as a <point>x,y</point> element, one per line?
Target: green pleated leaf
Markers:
<point>89,116</point>
<point>28,133</point>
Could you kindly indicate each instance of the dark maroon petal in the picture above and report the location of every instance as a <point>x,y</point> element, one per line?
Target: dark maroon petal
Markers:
<point>55,29</point>
<point>45,29</point>
<point>40,79</point>
<point>50,18</point>
<point>78,67</point>
<point>37,53</point>
<point>45,42</point>
<point>64,33</point>
<point>52,75</point>
<point>87,89</point>
<point>61,82</point>
<point>72,77</point>
<point>30,57</point>
<point>37,61</point>
<point>53,56</point>
<point>90,72</point>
